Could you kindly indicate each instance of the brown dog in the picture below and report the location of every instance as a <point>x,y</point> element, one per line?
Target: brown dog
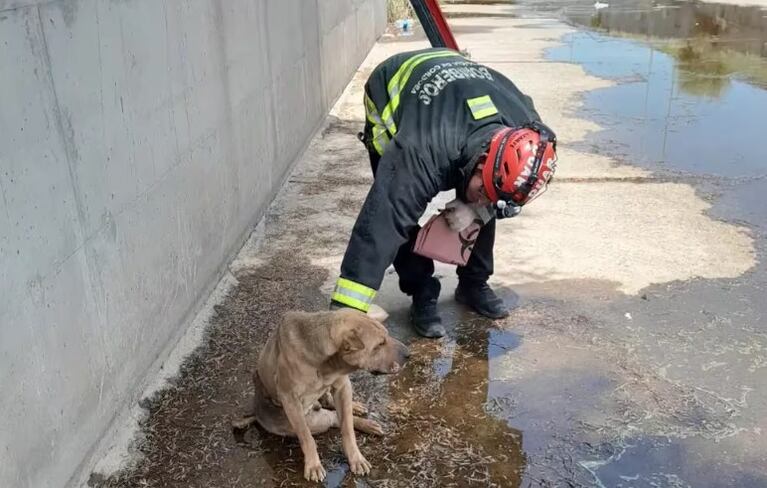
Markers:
<point>307,358</point>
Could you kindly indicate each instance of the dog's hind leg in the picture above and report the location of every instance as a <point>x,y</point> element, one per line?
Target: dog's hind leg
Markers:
<point>359,409</point>
<point>318,420</point>
<point>326,401</point>
<point>321,420</point>
<point>368,426</point>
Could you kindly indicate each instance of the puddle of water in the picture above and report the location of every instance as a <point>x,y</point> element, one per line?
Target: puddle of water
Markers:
<point>664,117</point>
<point>662,462</point>
<point>443,364</point>
<point>442,430</point>
<point>336,476</point>
<point>746,203</point>
<point>710,44</point>
<point>736,28</point>
<point>692,89</point>
<point>716,28</point>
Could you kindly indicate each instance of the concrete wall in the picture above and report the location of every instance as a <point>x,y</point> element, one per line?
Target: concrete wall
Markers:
<point>140,140</point>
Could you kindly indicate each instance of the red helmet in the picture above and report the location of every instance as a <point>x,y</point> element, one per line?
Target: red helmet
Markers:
<point>520,162</point>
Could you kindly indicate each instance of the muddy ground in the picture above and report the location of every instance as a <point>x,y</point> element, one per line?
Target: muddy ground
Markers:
<point>634,356</point>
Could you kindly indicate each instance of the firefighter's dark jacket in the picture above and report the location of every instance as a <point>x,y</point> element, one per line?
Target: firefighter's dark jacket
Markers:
<point>430,113</point>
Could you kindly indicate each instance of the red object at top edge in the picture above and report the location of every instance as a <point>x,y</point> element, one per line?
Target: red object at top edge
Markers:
<point>439,19</point>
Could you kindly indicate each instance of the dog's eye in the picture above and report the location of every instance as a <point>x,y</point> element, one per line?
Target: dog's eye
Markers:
<point>381,344</point>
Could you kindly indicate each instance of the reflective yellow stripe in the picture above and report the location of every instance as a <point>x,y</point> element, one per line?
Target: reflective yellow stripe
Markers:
<point>380,138</point>
<point>481,114</point>
<point>352,302</point>
<point>481,107</point>
<point>353,294</point>
<point>351,285</point>
<point>394,83</point>
<point>374,118</point>
<point>371,111</point>
<point>400,79</point>
<point>390,125</point>
<point>473,102</point>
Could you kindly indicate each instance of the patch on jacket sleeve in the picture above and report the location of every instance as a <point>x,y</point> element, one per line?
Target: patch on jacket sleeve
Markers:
<point>481,107</point>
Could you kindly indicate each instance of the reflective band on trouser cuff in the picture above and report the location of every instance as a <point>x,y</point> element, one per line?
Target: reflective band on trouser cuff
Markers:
<point>401,77</point>
<point>481,107</point>
<point>353,294</point>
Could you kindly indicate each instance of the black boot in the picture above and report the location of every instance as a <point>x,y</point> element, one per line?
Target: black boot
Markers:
<point>482,299</point>
<point>423,313</point>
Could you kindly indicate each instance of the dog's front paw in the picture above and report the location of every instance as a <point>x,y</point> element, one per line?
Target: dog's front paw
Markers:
<point>360,466</point>
<point>313,470</point>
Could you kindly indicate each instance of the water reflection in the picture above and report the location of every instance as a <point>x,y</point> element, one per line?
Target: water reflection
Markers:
<point>711,43</point>
<point>673,109</point>
<point>443,431</point>
<point>740,28</point>
<point>698,74</point>
<point>692,92</point>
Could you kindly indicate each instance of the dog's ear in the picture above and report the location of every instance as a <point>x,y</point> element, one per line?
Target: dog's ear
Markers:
<point>352,342</point>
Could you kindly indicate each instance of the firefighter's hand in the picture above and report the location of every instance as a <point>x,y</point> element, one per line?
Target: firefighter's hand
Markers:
<point>459,215</point>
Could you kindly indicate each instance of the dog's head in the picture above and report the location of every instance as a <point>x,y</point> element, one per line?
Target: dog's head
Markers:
<point>364,343</point>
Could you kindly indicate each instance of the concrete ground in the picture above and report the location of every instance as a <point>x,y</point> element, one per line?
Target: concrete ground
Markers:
<point>635,355</point>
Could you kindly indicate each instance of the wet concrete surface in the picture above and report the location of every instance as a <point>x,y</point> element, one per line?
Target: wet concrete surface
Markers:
<point>682,111</point>
<point>583,385</point>
<point>691,93</point>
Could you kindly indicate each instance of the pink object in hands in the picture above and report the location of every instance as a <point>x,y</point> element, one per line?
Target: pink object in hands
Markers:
<point>436,240</point>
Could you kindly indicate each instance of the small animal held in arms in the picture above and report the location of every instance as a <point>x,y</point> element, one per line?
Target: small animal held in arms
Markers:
<point>302,386</point>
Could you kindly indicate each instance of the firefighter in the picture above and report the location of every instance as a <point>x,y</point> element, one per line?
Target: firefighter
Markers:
<point>437,121</point>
